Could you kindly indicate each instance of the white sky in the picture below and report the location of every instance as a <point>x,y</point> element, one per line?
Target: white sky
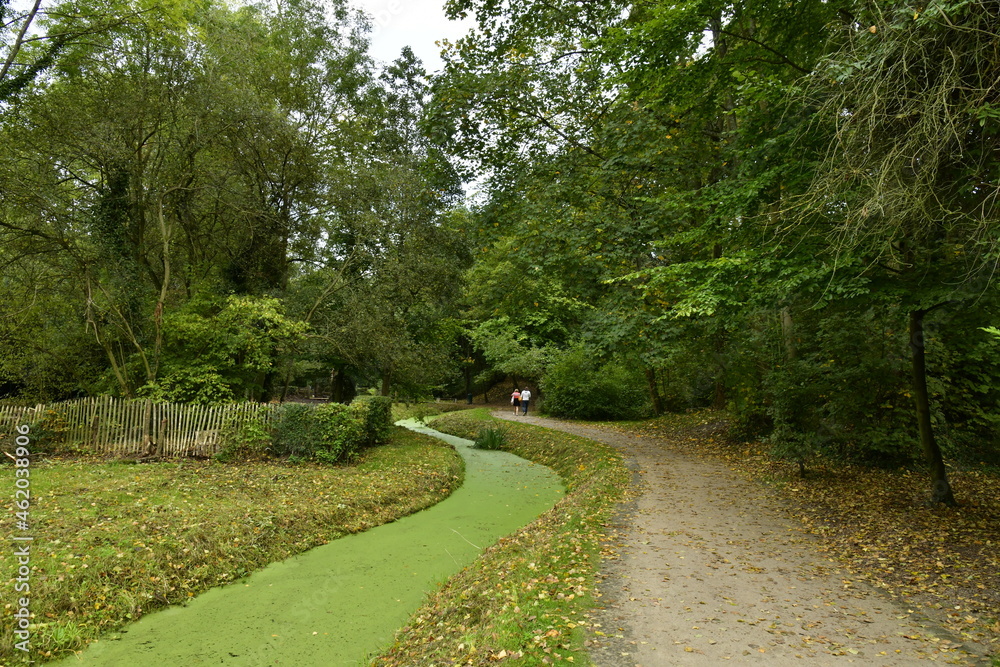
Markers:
<point>417,23</point>
<point>396,23</point>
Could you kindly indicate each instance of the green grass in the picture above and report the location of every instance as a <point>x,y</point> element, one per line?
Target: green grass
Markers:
<point>115,541</point>
<point>423,411</point>
<point>526,599</point>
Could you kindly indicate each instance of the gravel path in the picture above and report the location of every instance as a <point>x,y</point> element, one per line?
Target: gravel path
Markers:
<point>709,568</point>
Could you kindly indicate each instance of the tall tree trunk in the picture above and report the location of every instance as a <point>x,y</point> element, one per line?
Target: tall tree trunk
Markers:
<point>386,377</point>
<point>941,489</point>
<point>654,391</point>
<point>719,343</point>
<point>267,386</point>
<point>286,383</point>
<point>788,333</point>
<point>719,397</point>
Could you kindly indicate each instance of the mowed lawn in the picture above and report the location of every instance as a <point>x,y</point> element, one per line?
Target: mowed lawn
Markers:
<point>114,541</point>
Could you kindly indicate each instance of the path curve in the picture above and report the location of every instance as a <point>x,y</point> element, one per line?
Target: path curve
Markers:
<point>710,568</point>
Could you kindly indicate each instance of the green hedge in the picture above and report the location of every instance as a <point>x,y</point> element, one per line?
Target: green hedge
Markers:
<point>378,419</point>
<point>294,431</point>
<point>331,432</point>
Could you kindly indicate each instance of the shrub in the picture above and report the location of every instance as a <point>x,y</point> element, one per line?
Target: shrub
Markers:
<point>195,385</point>
<point>492,437</point>
<point>844,395</point>
<point>377,419</point>
<point>294,433</point>
<point>331,432</point>
<point>340,431</point>
<point>48,433</point>
<point>243,439</point>
<point>580,387</point>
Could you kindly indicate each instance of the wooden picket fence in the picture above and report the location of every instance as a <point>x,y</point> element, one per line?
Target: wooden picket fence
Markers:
<point>120,427</point>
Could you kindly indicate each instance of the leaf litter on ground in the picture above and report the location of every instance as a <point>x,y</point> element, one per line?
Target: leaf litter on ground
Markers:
<point>938,560</point>
<point>115,541</point>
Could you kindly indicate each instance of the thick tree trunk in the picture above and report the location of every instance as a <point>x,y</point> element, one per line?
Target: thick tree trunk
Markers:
<point>386,377</point>
<point>941,489</point>
<point>654,392</point>
<point>267,386</point>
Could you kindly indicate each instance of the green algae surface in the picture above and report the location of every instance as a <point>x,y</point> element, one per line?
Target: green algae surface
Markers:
<point>340,603</point>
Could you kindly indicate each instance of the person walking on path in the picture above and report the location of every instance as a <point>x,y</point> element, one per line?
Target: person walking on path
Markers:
<point>525,397</point>
<point>515,400</point>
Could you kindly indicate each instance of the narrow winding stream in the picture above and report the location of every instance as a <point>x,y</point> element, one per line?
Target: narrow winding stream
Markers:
<point>340,603</point>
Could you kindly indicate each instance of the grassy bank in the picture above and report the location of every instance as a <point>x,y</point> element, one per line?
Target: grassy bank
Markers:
<point>423,411</point>
<point>525,600</point>
<point>114,541</point>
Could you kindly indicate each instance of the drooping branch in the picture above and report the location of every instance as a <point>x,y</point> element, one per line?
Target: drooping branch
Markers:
<point>784,59</point>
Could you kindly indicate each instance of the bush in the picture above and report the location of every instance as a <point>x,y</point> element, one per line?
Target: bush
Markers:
<point>845,395</point>
<point>340,431</point>
<point>243,439</point>
<point>331,432</point>
<point>580,387</point>
<point>491,437</point>
<point>294,433</point>
<point>378,419</point>
<point>197,386</point>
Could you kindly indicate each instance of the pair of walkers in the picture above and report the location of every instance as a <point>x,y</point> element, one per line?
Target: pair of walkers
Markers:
<point>519,399</point>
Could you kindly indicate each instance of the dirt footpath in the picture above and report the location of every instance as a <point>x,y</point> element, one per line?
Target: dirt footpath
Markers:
<point>709,568</point>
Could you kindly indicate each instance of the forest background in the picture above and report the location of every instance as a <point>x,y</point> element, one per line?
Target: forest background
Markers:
<point>785,209</point>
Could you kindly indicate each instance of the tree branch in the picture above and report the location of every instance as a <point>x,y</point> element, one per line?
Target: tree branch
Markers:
<point>16,47</point>
<point>785,59</point>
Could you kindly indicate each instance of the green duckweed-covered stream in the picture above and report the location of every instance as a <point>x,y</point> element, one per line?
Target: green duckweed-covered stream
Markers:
<point>340,603</point>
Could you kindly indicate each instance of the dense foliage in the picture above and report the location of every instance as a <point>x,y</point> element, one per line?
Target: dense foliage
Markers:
<point>783,208</point>
<point>329,432</point>
<point>203,203</point>
<point>579,387</point>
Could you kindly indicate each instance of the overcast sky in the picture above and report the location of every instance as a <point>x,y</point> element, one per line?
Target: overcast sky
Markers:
<point>417,23</point>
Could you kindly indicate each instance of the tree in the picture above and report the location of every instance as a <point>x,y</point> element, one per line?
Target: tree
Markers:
<point>216,352</point>
<point>620,141</point>
<point>909,180</point>
<point>379,286</point>
<point>159,162</point>
<point>27,51</point>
